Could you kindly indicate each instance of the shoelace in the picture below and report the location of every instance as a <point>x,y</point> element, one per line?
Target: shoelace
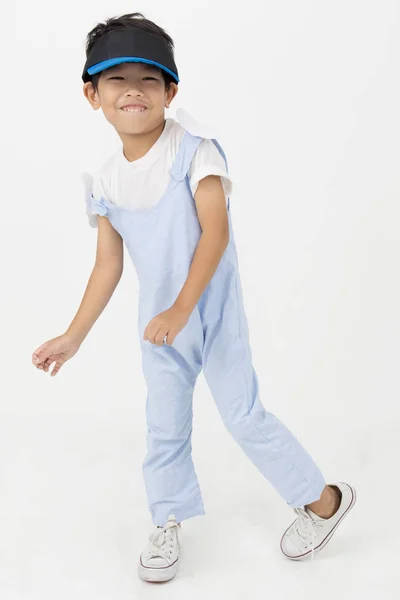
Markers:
<point>162,540</point>
<point>306,528</point>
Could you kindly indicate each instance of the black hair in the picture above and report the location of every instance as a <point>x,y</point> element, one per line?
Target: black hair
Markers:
<point>123,22</point>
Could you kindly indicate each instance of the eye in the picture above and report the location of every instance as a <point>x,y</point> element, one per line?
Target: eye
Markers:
<point>155,79</point>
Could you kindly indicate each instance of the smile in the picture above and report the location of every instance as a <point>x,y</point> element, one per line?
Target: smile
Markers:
<point>133,109</point>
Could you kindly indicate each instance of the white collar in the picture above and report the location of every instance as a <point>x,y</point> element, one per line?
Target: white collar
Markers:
<point>198,129</point>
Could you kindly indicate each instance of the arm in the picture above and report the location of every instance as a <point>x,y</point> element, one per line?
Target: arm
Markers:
<point>103,280</point>
<point>213,218</point>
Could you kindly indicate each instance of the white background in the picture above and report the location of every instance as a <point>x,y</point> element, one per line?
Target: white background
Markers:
<point>306,96</point>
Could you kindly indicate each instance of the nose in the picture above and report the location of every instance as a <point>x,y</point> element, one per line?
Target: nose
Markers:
<point>134,88</point>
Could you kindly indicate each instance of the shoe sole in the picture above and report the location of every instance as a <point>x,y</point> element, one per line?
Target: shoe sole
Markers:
<point>158,575</point>
<point>330,534</point>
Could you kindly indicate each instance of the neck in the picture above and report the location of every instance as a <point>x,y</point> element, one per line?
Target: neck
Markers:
<point>135,146</point>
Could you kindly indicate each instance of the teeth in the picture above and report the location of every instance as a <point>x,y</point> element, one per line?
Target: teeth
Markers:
<point>133,109</point>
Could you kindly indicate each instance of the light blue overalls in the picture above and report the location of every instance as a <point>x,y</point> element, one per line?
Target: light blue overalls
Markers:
<point>161,242</point>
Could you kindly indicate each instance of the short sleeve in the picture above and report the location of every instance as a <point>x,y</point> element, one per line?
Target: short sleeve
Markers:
<point>93,191</point>
<point>208,161</point>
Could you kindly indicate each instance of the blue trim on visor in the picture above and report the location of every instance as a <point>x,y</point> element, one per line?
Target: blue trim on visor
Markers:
<point>105,64</point>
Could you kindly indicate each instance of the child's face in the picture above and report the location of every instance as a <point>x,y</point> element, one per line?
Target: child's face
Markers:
<point>130,83</point>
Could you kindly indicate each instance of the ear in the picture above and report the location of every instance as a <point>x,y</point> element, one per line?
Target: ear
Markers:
<point>91,95</point>
<point>172,92</point>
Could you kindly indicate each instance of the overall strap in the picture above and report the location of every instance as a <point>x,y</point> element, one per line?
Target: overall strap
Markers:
<point>187,149</point>
<point>186,152</point>
<point>222,153</point>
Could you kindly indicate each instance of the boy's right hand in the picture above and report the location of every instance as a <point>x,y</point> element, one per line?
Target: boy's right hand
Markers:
<point>58,350</point>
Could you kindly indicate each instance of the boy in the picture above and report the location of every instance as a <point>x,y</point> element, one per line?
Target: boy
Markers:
<point>165,194</point>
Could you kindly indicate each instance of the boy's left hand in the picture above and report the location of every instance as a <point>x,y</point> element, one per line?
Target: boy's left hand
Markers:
<point>167,323</point>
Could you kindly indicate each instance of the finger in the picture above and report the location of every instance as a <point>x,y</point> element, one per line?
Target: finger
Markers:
<point>36,359</point>
<point>40,350</point>
<point>47,363</point>
<point>148,332</point>
<point>161,333</point>
<point>35,355</point>
<point>38,365</point>
<point>40,354</point>
<point>56,368</point>
<point>44,365</point>
<point>152,333</point>
<point>172,335</point>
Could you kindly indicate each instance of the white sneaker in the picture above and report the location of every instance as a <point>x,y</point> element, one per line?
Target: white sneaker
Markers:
<point>309,533</point>
<point>159,560</point>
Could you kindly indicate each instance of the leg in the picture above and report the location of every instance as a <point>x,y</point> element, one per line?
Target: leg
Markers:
<point>328,504</point>
<point>267,442</point>
<point>170,479</point>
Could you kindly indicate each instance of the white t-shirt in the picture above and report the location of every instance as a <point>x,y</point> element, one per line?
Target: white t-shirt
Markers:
<point>140,184</point>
